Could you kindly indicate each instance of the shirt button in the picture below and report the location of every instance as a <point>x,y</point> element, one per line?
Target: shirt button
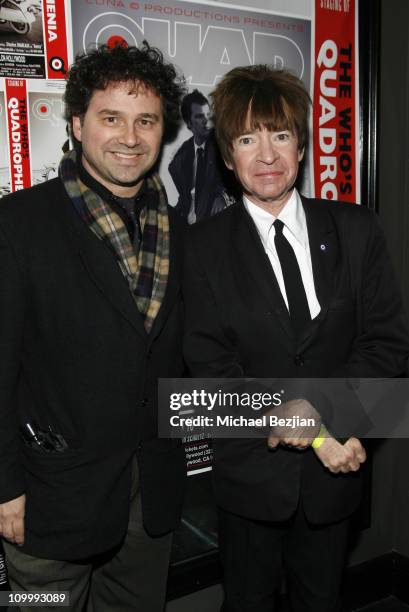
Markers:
<point>144,402</point>
<point>299,360</point>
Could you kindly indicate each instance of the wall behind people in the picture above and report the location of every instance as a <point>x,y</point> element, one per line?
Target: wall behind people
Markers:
<point>389,529</point>
<point>394,209</point>
<point>204,41</point>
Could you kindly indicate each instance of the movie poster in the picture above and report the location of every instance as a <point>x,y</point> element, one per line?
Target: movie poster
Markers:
<point>47,124</point>
<point>33,39</point>
<point>204,41</point>
<point>336,102</point>
<point>5,186</point>
<point>31,112</point>
<point>21,39</point>
<point>18,133</point>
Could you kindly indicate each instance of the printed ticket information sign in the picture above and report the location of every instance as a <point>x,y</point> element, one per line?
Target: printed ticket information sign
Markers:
<point>198,450</point>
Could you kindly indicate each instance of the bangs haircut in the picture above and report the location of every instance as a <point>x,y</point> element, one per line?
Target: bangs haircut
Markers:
<point>255,97</point>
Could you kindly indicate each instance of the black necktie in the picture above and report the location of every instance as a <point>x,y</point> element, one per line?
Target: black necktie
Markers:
<point>199,174</point>
<point>294,288</point>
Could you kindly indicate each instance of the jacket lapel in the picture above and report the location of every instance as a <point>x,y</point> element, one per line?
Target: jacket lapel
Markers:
<point>103,269</point>
<point>324,251</point>
<point>250,259</point>
<point>105,272</point>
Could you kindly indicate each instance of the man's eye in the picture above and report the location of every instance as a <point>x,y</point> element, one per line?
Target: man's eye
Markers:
<point>245,140</point>
<point>283,136</point>
<point>111,120</point>
<point>144,122</point>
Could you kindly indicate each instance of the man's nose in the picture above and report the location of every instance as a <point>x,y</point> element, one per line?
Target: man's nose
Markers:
<point>268,153</point>
<point>129,135</point>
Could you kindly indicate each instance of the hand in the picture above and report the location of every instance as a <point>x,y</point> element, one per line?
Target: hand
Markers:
<point>338,457</point>
<point>12,520</point>
<point>296,435</point>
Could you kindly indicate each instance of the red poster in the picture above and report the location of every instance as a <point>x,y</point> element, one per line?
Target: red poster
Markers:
<point>19,143</point>
<point>335,141</point>
<point>55,36</point>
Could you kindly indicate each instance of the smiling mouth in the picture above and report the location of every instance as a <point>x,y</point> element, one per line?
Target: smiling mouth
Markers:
<point>125,155</point>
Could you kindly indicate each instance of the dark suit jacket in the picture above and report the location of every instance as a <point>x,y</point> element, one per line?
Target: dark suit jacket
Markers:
<point>210,200</point>
<point>238,325</point>
<point>75,356</point>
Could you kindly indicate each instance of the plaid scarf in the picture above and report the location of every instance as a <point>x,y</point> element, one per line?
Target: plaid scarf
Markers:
<point>147,273</point>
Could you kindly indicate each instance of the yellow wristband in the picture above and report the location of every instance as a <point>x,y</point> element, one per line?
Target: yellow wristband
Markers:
<point>316,443</point>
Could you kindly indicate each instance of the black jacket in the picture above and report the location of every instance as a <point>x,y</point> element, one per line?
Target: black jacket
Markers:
<point>210,200</point>
<point>75,356</point>
<point>237,324</point>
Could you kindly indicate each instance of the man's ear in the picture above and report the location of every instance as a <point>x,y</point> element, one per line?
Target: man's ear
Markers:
<point>301,154</point>
<point>76,127</point>
<point>228,164</point>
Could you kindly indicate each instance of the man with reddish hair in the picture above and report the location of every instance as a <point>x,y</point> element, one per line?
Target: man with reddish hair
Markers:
<point>282,286</point>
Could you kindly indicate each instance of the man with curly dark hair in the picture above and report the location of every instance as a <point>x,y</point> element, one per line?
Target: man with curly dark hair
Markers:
<point>90,317</point>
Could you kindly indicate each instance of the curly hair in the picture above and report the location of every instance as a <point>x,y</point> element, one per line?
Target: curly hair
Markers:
<point>104,65</point>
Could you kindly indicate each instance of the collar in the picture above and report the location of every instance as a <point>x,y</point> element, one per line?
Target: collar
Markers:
<point>202,146</point>
<point>292,215</point>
